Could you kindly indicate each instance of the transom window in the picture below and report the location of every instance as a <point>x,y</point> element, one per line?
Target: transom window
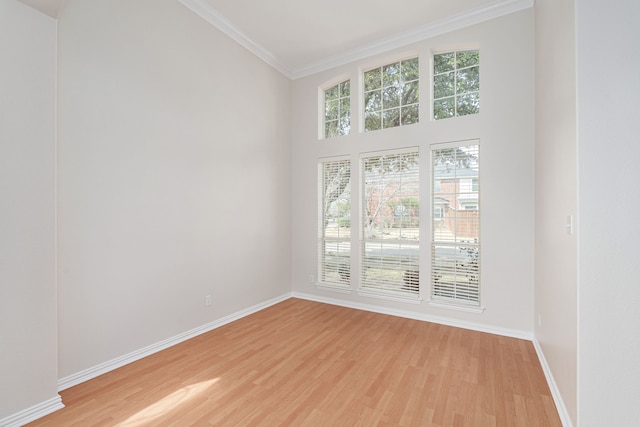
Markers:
<point>456,84</point>
<point>391,95</point>
<point>337,110</point>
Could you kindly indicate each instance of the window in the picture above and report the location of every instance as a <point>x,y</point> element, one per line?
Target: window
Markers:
<point>456,84</point>
<point>455,248</point>
<point>334,230</point>
<point>438,213</point>
<point>390,223</point>
<point>337,110</point>
<point>391,95</point>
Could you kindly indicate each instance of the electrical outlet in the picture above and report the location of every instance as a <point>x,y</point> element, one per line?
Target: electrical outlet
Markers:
<point>312,279</point>
<point>207,300</point>
<point>539,319</point>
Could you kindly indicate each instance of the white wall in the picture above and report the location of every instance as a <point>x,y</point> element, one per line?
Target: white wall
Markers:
<point>609,202</point>
<point>28,349</point>
<point>556,270</point>
<point>174,177</point>
<point>505,127</point>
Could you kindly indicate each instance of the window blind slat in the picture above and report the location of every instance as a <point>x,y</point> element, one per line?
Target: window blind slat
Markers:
<point>334,228</point>
<point>390,223</point>
<point>455,249</point>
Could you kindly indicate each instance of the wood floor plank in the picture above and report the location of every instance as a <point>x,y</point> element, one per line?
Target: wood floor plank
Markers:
<point>302,363</point>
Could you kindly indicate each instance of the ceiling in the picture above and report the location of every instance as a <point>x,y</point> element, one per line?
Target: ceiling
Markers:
<point>301,37</point>
<point>50,7</point>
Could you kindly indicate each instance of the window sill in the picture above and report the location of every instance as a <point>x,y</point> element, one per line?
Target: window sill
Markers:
<point>411,299</point>
<point>334,288</point>
<point>458,307</point>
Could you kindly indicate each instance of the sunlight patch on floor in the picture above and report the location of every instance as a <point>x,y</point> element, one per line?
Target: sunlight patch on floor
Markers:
<point>166,404</point>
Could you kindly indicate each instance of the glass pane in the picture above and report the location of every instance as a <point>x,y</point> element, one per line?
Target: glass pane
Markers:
<point>372,121</point>
<point>391,97</point>
<point>391,74</point>
<point>372,101</point>
<point>443,108</point>
<point>336,186</point>
<point>339,221</point>
<point>468,80</point>
<point>331,110</point>
<point>391,118</point>
<point>455,224</point>
<point>345,106</point>
<point>390,222</point>
<point>410,70</point>
<point>443,85</point>
<point>468,104</point>
<point>468,58</point>
<point>409,114</point>
<point>467,227</point>
<point>443,62</point>
<point>410,93</point>
<point>453,163</point>
<point>373,79</point>
<point>344,126</point>
<point>345,88</point>
<point>331,93</point>
<point>331,129</point>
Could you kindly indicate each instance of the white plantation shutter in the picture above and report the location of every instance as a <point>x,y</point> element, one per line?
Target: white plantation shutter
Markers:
<point>390,223</point>
<point>455,250</point>
<point>334,227</point>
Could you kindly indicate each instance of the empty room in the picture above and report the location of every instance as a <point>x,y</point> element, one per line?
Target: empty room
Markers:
<point>319,213</point>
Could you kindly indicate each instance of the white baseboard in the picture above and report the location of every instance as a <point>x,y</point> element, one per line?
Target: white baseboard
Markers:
<point>103,368</point>
<point>555,392</point>
<point>513,333</point>
<point>31,414</point>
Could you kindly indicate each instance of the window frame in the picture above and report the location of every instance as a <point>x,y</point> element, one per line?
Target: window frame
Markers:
<point>456,94</point>
<point>335,83</point>
<point>364,92</point>
<point>343,269</point>
<point>458,248</point>
<point>409,278</point>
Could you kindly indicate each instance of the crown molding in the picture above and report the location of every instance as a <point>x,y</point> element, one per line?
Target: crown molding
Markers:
<point>213,17</point>
<point>53,8</point>
<point>452,23</point>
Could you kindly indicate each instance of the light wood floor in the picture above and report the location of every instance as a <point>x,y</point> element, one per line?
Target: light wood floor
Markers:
<point>302,363</point>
